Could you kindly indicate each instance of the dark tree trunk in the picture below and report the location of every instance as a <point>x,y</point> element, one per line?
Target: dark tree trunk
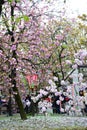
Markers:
<point>13,73</point>
<point>58,83</point>
<point>19,103</point>
<point>15,90</point>
<point>9,105</point>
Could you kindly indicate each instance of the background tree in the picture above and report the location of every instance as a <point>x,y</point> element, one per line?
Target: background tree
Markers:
<point>59,42</point>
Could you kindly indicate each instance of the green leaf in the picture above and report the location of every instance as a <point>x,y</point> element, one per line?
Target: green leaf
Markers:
<point>18,19</point>
<point>64,45</point>
<point>26,18</point>
<point>17,0</point>
<point>10,1</point>
<point>32,85</point>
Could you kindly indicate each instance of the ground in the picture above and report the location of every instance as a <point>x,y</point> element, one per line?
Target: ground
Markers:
<point>41,122</point>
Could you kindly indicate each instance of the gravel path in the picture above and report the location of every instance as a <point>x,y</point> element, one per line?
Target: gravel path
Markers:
<point>40,122</point>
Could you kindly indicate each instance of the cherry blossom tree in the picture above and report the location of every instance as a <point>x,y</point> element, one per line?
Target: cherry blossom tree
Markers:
<point>21,27</point>
<point>53,54</point>
<point>11,36</point>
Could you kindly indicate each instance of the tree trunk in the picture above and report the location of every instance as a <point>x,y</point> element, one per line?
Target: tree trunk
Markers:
<point>16,92</point>
<point>13,72</point>
<point>19,103</point>
<point>15,89</point>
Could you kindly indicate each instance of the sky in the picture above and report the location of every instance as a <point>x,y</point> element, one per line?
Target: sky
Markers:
<point>75,7</point>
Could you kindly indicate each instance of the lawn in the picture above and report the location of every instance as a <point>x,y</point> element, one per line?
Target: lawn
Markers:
<point>40,122</point>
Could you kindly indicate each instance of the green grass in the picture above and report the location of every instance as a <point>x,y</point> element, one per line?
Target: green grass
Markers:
<point>17,116</point>
<point>4,116</point>
<point>67,128</point>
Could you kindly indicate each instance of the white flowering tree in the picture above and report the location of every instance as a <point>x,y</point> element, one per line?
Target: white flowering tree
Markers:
<point>81,84</point>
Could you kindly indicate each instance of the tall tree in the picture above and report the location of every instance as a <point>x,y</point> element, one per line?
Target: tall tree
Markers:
<point>21,26</point>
